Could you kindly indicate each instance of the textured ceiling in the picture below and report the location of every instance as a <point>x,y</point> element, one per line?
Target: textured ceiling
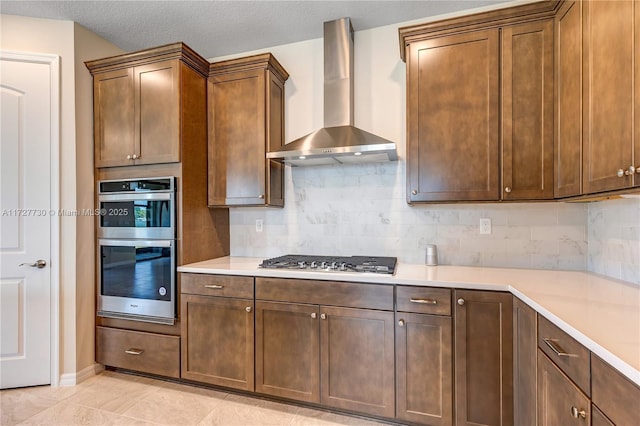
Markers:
<point>217,28</point>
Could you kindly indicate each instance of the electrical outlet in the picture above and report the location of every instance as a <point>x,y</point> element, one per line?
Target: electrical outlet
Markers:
<point>485,226</point>
<point>258,225</point>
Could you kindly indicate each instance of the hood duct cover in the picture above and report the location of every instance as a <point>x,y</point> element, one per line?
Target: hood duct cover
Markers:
<point>338,141</point>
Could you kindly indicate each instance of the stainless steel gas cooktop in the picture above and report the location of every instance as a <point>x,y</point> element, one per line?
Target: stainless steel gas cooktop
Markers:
<point>376,264</point>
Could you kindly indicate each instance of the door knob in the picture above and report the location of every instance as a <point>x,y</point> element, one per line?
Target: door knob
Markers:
<point>37,264</point>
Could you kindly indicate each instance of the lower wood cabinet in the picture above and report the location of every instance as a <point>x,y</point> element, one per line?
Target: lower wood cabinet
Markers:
<point>424,371</point>
<point>140,351</point>
<point>287,350</point>
<point>525,343</point>
<point>560,401</point>
<point>483,357</point>
<point>217,341</point>
<point>338,357</point>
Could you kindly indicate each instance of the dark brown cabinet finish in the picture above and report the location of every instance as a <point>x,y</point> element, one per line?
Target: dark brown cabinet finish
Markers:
<point>568,124</point>
<point>568,354</point>
<point>452,113</point>
<point>144,103</point>
<point>527,111</point>
<point>356,360</point>
<point>560,402</point>
<point>246,120</point>
<point>217,341</point>
<point>598,418</point>
<point>483,357</point>
<point>608,93</point>
<point>525,345</point>
<point>287,350</point>
<point>615,395</point>
<point>134,350</point>
<point>424,370</point>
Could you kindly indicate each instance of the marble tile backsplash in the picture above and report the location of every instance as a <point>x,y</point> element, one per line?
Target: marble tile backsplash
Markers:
<point>614,239</point>
<point>362,209</point>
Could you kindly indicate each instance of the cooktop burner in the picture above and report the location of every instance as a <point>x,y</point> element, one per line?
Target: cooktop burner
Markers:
<point>377,264</point>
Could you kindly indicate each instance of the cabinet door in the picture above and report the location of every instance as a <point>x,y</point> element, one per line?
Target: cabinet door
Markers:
<point>237,156</point>
<point>636,103</point>
<point>483,358</point>
<point>424,391</point>
<point>357,360</point>
<point>560,402</point>
<point>114,126</point>
<point>525,344</point>
<point>568,125</point>
<point>217,341</point>
<point>527,111</point>
<point>608,94</point>
<point>157,97</point>
<point>287,352</point>
<point>275,133</point>
<point>452,143</point>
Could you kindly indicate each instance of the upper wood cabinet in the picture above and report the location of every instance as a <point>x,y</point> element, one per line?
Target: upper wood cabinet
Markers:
<point>246,120</point>
<point>610,95</point>
<point>480,106</point>
<point>142,101</point>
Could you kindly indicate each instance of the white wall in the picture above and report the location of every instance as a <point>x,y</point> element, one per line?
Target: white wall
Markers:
<point>361,209</point>
<point>58,37</point>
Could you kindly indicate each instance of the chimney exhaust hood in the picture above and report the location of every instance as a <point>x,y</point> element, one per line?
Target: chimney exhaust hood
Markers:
<point>338,141</point>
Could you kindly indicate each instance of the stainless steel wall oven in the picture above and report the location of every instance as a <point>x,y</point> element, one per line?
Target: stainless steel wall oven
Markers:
<point>136,251</point>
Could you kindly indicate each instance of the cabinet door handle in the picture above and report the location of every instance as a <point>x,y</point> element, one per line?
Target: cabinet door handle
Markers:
<point>248,309</point>
<point>414,192</point>
<point>313,315</point>
<point>134,351</point>
<point>575,413</point>
<point>553,345</point>
<point>261,196</point>
<point>461,301</point>
<point>424,301</point>
<point>214,286</point>
<point>507,190</point>
<point>631,170</point>
<point>136,156</point>
<point>638,169</point>
<point>401,323</point>
<point>129,157</point>
<point>323,316</point>
<point>620,173</point>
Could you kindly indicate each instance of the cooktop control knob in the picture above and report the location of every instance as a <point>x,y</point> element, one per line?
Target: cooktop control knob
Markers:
<point>334,265</point>
<point>302,264</point>
<point>343,266</point>
<point>314,265</point>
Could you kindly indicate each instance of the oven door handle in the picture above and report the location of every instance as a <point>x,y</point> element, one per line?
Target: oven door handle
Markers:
<point>136,196</point>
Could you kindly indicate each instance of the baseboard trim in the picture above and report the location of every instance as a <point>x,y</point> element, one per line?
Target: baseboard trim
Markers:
<point>72,379</point>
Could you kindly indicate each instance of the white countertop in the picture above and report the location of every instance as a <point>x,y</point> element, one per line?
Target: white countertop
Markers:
<point>601,313</point>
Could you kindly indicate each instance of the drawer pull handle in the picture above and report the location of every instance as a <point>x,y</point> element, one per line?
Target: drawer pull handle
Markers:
<point>424,301</point>
<point>133,351</point>
<point>575,413</point>
<point>553,345</point>
<point>215,286</point>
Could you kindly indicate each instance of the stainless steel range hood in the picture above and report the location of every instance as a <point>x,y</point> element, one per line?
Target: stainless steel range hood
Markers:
<point>338,141</point>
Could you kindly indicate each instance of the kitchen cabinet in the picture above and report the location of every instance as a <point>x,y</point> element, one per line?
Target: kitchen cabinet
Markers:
<point>142,104</point>
<point>560,402</point>
<point>311,350</point>
<point>218,330</point>
<point>483,340</point>
<point>615,396</point>
<point>525,343</point>
<point>480,106</point>
<point>246,120</point>
<point>527,111</point>
<point>424,356</point>
<point>610,95</point>
<point>140,351</point>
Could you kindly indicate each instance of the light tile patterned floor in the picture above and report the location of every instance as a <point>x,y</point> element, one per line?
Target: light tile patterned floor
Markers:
<point>121,399</point>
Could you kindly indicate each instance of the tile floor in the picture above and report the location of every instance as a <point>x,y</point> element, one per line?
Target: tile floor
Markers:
<point>112,398</point>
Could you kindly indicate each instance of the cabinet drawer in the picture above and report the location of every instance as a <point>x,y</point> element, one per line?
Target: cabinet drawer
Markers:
<point>331,293</point>
<point>424,300</point>
<point>567,353</point>
<point>139,351</point>
<point>616,396</point>
<point>217,285</point>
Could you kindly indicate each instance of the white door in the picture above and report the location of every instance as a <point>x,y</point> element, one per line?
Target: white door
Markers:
<point>25,231</point>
